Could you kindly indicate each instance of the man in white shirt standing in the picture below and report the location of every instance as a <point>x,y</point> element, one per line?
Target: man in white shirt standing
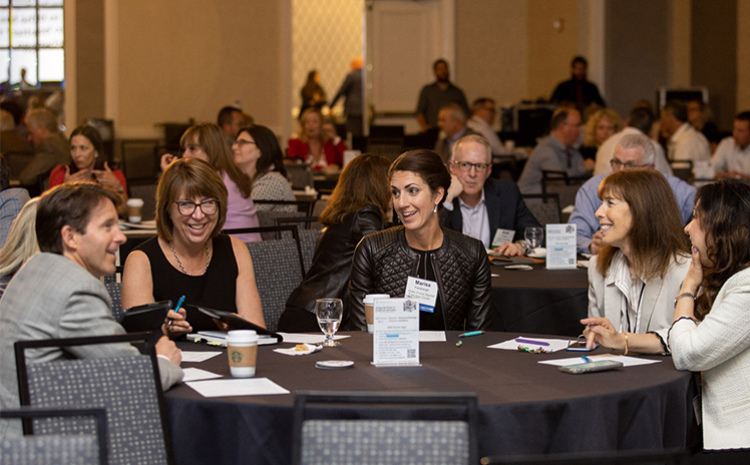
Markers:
<point>685,142</point>
<point>482,121</point>
<point>732,157</point>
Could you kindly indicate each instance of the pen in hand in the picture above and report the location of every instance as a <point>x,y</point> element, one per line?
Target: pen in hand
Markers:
<point>177,307</point>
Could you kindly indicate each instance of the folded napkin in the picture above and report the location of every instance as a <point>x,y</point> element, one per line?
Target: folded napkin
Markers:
<point>293,350</point>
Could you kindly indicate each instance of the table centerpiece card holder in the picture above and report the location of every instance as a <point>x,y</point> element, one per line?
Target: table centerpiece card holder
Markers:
<point>395,340</point>
<point>561,247</point>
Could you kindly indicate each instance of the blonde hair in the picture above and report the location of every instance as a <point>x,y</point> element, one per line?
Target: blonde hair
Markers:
<point>302,136</point>
<point>21,244</point>
<point>589,133</point>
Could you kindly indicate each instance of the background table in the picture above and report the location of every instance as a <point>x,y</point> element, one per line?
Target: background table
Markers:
<point>525,407</point>
<point>539,301</point>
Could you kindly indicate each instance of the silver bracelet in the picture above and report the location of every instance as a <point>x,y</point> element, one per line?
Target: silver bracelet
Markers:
<point>684,294</point>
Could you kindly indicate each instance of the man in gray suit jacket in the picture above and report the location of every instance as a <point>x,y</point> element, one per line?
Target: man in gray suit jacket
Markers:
<point>58,294</point>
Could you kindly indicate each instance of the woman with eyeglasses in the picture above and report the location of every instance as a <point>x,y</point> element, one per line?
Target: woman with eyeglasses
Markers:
<point>190,257</point>
<point>257,153</point>
<point>206,141</point>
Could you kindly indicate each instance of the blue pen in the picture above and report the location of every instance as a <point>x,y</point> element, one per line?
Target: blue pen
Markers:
<point>179,304</point>
<point>472,333</point>
<point>177,308</point>
<point>586,359</point>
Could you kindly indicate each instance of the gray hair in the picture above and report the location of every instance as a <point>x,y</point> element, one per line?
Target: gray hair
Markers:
<point>456,111</point>
<point>639,141</point>
<point>476,138</point>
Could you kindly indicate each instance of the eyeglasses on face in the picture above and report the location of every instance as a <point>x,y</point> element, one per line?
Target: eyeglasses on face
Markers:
<point>187,208</point>
<point>466,166</point>
<point>242,143</point>
<point>616,163</point>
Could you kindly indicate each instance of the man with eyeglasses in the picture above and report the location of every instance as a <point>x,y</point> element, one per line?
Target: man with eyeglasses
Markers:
<point>634,151</point>
<point>556,152</point>
<point>481,207</point>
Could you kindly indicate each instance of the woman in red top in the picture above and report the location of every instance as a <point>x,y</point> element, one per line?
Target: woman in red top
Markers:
<point>313,146</point>
<point>87,165</point>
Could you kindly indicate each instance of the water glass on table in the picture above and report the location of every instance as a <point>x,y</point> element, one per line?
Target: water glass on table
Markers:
<point>534,236</point>
<point>329,312</point>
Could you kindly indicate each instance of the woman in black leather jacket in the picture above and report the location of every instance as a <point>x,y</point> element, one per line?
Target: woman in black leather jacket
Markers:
<point>421,248</point>
<point>357,207</point>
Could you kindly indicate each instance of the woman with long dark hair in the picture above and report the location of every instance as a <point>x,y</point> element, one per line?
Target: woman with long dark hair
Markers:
<point>711,329</point>
<point>359,205</point>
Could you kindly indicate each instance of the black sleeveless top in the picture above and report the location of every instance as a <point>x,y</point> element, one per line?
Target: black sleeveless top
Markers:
<point>217,288</point>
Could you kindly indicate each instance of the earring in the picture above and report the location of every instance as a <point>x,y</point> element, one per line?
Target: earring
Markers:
<point>435,210</point>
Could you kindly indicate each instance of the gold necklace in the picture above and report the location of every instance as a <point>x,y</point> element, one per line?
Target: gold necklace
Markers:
<point>182,267</point>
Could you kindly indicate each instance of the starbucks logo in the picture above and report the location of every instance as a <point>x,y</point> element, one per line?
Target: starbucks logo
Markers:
<point>237,357</point>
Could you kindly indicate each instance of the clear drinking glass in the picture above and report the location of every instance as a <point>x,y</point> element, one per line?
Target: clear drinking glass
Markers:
<point>329,312</point>
<point>534,236</point>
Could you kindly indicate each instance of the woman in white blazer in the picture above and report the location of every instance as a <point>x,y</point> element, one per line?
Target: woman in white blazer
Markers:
<point>640,268</point>
<point>711,329</point>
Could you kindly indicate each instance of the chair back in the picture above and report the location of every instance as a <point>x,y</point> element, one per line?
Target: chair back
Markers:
<point>115,293</point>
<point>300,174</point>
<point>56,449</point>
<point>546,212</point>
<point>304,206</point>
<point>279,269</point>
<point>385,435</point>
<point>566,187</point>
<point>308,236</point>
<point>682,169</point>
<point>128,387</point>
<point>267,219</point>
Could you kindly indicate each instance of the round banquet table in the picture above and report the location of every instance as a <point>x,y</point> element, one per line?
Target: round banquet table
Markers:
<point>525,407</point>
<point>539,301</point>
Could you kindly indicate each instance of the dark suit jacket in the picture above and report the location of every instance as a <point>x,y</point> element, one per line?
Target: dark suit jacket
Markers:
<point>505,210</point>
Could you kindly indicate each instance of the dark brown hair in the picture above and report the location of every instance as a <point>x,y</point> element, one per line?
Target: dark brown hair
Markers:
<point>723,210</point>
<point>69,204</point>
<point>428,165</point>
<point>93,136</point>
<point>364,181</point>
<point>656,233</point>
<point>189,178</point>
<point>211,139</point>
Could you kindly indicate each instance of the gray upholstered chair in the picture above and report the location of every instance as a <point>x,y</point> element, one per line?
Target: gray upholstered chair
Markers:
<point>115,293</point>
<point>128,388</point>
<point>547,211</point>
<point>56,449</point>
<point>441,429</point>
<point>278,266</point>
<point>618,457</point>
<point>308,235</point>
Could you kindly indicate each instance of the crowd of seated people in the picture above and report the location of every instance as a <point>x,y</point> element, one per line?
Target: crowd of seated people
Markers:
<point>667,273</point>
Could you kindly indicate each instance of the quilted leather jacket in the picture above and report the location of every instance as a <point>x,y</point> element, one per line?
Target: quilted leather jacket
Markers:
<point>383,261</point>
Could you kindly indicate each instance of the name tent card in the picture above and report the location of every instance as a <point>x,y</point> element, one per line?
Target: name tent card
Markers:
<point>395,340</point>
<point>561,246</point>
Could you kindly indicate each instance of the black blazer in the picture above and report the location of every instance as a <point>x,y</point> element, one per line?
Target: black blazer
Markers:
<point>505,210</point>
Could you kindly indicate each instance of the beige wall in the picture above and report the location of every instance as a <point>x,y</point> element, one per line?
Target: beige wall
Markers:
<point>491,49</point>
<point>679,45</point>
<point>181,59</point>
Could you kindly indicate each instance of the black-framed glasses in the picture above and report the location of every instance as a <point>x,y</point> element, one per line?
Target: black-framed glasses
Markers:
<point>466,166</point>
<point>617,163</point>
<point>187,208</point>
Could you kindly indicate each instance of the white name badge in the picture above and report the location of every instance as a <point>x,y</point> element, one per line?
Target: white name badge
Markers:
<point>395,341</point>
<point>423,291</point>
<point>561,246</point>
<point>502,236</point>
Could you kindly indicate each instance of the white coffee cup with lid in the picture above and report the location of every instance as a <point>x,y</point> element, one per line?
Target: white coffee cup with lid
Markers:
<point>242,352</point>
<point>369,302</point>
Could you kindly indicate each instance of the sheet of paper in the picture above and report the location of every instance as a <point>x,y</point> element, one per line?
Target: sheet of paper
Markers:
<point>432,336</point>
<point>553,345</point>
<point>197,357</point>
<point>625,360</point>
<point>237,387</point>
<point>561,246</point>
<point>194,374</point>
<point>299,338</point>
<point>395,341</point>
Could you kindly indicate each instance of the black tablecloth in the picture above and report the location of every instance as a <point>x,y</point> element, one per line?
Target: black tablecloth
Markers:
<point>539,301</point>
<point>525,407</point>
